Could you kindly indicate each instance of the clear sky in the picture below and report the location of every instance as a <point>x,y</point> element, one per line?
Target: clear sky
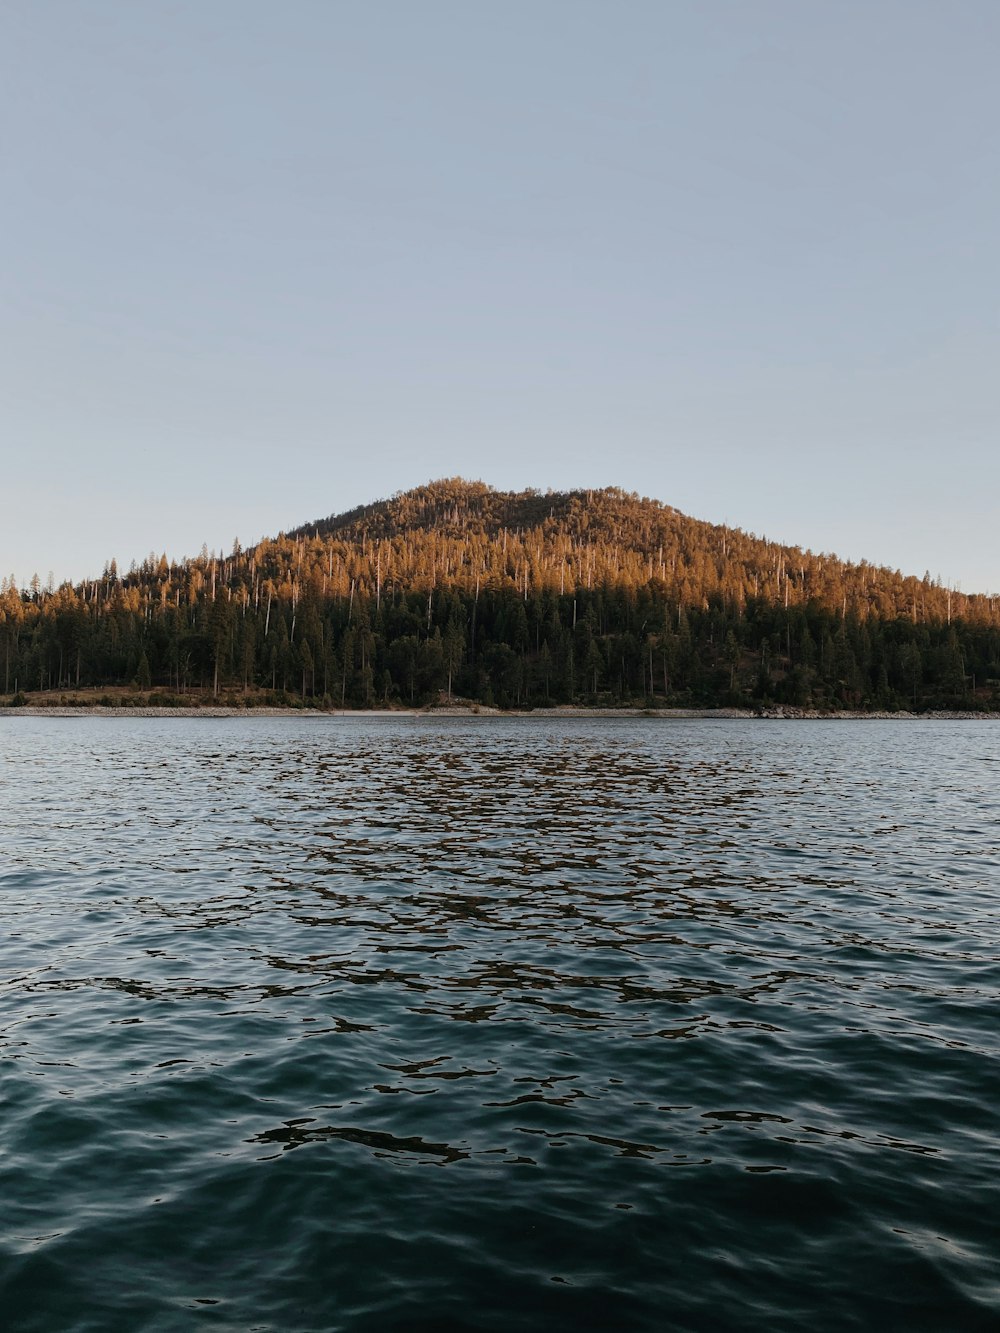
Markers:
<point>265,261</point>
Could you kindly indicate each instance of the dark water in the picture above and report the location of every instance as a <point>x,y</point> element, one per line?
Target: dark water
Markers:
<point>332,1024</point>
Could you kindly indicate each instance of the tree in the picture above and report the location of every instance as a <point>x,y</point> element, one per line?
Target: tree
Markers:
<point>308,667</point>
<point>454,646</point>
<point>593,665</point>
<point>220,633</point>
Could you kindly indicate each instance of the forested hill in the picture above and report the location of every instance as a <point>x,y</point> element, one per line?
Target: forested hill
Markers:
<point>457,533</point>
<point>514,599</point>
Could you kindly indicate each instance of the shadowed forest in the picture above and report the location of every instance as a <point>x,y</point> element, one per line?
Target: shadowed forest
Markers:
<point>512,600</point>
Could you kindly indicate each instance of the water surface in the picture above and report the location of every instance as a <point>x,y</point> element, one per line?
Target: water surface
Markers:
<point>317,1024</point>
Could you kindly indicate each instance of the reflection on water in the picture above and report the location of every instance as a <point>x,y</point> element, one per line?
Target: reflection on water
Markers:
<point>325,1023</point>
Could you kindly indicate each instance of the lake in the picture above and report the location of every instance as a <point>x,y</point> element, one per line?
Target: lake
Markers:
<point>343,1023</point>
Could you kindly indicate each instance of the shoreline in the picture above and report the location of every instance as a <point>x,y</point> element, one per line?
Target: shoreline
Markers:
<point>457,711</point>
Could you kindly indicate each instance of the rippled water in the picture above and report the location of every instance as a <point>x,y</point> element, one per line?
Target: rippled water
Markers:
<point>495,1024</point>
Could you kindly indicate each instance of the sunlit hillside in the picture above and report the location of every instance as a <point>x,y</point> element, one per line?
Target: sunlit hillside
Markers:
<point>512,599</point>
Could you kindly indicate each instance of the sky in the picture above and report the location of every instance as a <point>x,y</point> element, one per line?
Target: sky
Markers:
<point>264,262</point>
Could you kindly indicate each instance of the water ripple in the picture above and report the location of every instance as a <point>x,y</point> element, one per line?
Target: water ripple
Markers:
<point>358,1024</point>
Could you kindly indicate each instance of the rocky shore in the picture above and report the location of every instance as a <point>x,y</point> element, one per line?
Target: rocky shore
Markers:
<point>477,710</point>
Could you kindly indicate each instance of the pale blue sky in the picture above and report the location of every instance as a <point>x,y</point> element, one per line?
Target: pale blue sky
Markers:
<point>264,261</point>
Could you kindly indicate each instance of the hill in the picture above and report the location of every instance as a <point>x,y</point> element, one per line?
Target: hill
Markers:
<point>612,538</point>
<point>513,598</point>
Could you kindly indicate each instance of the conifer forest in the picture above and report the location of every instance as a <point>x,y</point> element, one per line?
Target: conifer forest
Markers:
<point>455,590</point>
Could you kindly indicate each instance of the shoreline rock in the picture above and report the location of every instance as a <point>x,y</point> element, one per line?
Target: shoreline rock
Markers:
<point>483,711</point>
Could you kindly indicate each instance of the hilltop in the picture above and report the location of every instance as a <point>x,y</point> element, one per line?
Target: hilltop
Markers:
<point>609,537</point>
